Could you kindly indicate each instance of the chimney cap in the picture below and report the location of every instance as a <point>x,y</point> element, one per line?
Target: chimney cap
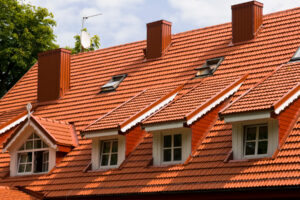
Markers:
<point>247,4</point>
<point>54,51</point>
<point>159,22</point>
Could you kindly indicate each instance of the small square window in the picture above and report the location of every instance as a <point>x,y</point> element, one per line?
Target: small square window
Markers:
<point>113,83</point>
<point>296,56</point>
<point>109,153</point>
<point>172,148</point>
<point>256,140</point>
<point>209,67</point>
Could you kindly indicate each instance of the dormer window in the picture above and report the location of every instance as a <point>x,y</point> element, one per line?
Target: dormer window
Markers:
<point>113,83</point>
<point>209,67</point>
<point>255,140</point>
<point>33,156</point>
<point>296,56</point>
<point>172,148</point>
<point>109,153</point>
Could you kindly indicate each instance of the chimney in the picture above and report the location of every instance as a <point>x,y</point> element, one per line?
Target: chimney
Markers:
<point>158,38</point>
<point>246,20</point>
<point>53,74</point>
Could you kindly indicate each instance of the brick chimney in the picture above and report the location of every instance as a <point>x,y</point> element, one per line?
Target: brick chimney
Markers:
<point>53,74</point>
<point>246,20</point>
<point>158,38</point>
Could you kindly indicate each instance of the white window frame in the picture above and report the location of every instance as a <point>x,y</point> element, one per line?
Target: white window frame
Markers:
<point>33,150</point>
<point>172,161</point>
<point>157,149</point>
<point>97,149</point>
<point>109,153</point>
<point>256,140</point>
<point>238,138</point>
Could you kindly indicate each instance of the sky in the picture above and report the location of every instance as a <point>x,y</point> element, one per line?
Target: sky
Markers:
<point>124,21</point>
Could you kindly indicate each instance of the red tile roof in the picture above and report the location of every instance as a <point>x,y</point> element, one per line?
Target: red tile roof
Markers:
<point>207,168</point>
<point>273,88</point>
<point>9,193</point>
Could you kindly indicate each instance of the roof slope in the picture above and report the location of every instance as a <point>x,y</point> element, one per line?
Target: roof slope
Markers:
<point>275,45</point>
<point>274,88</point>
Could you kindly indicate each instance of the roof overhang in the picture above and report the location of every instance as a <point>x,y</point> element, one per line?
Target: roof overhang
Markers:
<point>101,133</point>
<point>164,126</point>
<point>14,123</point>
<point>247,116</point>
<point>38,130</point>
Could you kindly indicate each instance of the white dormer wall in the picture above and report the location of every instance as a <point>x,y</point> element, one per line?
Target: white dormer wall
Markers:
<point>96,150</point>
<point>23,134</point>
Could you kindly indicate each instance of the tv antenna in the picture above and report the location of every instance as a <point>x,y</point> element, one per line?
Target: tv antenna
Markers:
<point>84,18</point>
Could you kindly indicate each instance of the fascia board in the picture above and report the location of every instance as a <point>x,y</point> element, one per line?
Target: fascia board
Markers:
<point>101,133</point>
<point>164,126</point>
<point>240,117</point>
<point>13,124</point>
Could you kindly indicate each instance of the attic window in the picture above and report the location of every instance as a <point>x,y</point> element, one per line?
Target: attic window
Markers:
<point>209,67</point>
<point>113,83</point>
<point>296,56</point>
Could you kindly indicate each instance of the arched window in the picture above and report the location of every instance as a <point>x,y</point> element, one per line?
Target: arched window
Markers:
<point>33,156</point>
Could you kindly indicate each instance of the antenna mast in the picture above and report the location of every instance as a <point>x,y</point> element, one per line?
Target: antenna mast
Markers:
<point>82,24</point>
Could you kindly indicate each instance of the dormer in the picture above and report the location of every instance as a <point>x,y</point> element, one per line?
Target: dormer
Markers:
<point>262,117</point>
<point>37,144</point>
<point>179,127</point>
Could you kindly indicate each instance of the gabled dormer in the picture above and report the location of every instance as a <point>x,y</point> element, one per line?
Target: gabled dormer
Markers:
<point>178,128</point>
<point>37,143</point>
<point>262,117</point>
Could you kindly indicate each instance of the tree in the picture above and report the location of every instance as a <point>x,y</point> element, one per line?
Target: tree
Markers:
<point>95,44</point>
<point>25,30</point>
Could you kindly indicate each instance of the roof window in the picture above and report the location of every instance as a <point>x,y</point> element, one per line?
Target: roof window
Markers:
<point>113,83</point>
<point>209,67</point>
<point>296,56</point>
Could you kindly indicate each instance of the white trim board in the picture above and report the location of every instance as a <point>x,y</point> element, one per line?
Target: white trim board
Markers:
<point>164,126</point>
<point>287,102</point>
<point>101,133</point>
<point>13,124</point>
<point>154,109</point>
<point>214,104</point>
<point>239,117</point>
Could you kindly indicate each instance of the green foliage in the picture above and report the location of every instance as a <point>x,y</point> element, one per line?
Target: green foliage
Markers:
<point>25,31</point>
<point>95,44</point>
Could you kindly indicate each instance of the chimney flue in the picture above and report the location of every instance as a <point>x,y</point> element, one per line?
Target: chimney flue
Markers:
<point>246,20</point>
<point>53,74</point>
<point>158,38</point>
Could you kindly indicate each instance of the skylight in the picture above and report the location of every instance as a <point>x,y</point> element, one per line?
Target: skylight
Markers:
<point>113,83</point>
<point>296,56</point>
<point>209,67</point>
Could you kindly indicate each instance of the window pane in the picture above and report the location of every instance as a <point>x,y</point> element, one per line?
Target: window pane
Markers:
<point>115,146</point>
<point>106,147</point>
<point>262,147</point>
<point>177,140</point>
<point>29,145</point>
<point>46,156</point>
<point>250,148</point>
<point>29,157</point>
<point>167,140</point>
<point>45,167</point>
<point>22,147</point>
<point>23,158</point>
<point>114,159</point>
<point>177,154</point>
<point>37,144</point>
<point>31,137</point>
<point>21,168</point>
<point>44,145</point>
<point>38,161</point>
<point>251,133</point>
<point>167,155</point>
<point>104,161</point>
<point>263,132</point>
<point>28,168</point>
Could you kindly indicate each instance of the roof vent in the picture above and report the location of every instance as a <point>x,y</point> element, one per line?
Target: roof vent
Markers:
<point>113,83</point>
<point>246,20</point>
<point>158,38</point>
<point>209,67</point>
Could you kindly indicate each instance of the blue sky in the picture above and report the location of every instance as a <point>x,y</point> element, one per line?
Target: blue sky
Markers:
<point>125,21</point>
